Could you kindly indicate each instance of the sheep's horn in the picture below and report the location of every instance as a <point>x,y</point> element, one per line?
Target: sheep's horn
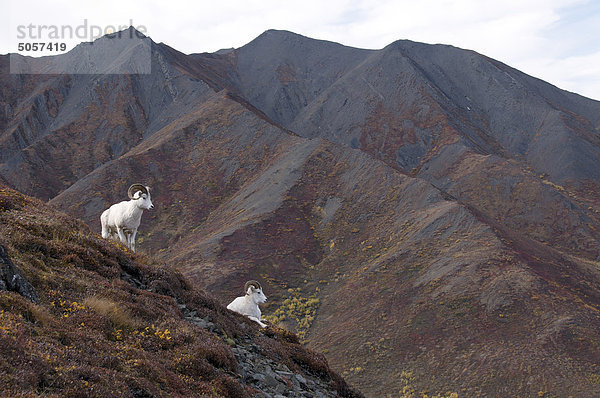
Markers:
<point>251,283</point>
<point>134,188</point>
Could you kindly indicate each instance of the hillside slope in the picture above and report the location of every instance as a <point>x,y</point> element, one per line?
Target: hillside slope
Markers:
<point>435,111</point>
<point>425,215</point>
<point>328,230</point>
<point>104,322</point>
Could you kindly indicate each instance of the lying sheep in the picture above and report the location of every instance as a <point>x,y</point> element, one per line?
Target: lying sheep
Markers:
<point>121,220</point>
<point>248,304</point>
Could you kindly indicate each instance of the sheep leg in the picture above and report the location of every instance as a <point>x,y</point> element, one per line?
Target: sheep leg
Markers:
<point>132,239</point>
<point>112,233</point>
<point>105,231</point>
<point>122,236</point>
<point>255,319</point>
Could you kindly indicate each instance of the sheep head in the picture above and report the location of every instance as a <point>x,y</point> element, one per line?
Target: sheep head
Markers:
<point>142,193</point>
<point>254,290</point>
<point>135,188</point>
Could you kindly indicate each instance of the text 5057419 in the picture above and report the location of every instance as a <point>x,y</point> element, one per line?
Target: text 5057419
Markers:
<point>50,46</point>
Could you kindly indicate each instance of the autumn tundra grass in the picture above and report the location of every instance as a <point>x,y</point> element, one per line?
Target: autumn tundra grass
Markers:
<point>108,322</point>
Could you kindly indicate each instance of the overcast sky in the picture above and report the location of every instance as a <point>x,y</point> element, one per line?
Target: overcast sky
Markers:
<point>555,40</point>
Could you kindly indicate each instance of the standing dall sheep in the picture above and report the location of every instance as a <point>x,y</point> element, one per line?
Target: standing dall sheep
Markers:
<point>121,220</point>
<point>248,304</point>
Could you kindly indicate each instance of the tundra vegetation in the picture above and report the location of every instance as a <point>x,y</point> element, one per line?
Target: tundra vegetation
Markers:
<point>109,322</point>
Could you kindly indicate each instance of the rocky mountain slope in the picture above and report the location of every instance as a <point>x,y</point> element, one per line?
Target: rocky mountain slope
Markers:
<point>426,216</point>
<point>88,318</point>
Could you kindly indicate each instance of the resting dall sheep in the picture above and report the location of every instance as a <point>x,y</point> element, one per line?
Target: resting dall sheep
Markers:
<point>121,220</point>
<point>248,304</point>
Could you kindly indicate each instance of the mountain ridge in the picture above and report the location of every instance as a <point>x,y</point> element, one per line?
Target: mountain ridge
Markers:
<point>454,196</point>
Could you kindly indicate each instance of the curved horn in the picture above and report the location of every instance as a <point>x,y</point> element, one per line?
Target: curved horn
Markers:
<point>251,283</point>
<point>134,188</point>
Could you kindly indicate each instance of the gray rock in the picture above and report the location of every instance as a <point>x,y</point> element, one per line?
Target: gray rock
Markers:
<point>284,373</point>
<point>300,379</point>
<point>281,388</point>
<point>284,368</point>
<point>270,381</point>
<point>11,278</point>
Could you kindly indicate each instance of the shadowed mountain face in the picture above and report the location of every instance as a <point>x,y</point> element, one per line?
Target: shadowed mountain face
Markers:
<point>425,215</point>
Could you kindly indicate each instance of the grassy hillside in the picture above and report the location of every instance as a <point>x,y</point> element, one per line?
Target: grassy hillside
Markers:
<point>107,322</point>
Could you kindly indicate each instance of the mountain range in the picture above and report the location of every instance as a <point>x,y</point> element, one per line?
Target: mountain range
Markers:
<point>424,215</point>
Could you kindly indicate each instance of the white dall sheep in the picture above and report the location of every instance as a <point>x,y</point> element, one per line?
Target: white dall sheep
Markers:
<point>248,304</point>
<point>121,220</point>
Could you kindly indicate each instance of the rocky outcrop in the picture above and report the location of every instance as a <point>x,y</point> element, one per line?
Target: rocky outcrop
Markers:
<point>271,378</point>
<point>12,279</point>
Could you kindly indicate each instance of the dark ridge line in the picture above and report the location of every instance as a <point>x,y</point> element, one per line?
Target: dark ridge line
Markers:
<point>242,101</point>
<point>205,72</point>
<point>541,260</point>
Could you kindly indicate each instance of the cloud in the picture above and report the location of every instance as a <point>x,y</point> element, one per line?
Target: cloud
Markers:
<point>579,74</point>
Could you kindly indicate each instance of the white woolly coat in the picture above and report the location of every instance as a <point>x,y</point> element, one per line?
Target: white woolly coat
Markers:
<point>248,305</point>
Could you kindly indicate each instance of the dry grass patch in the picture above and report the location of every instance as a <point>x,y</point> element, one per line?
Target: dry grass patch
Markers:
<point>118,316</point>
